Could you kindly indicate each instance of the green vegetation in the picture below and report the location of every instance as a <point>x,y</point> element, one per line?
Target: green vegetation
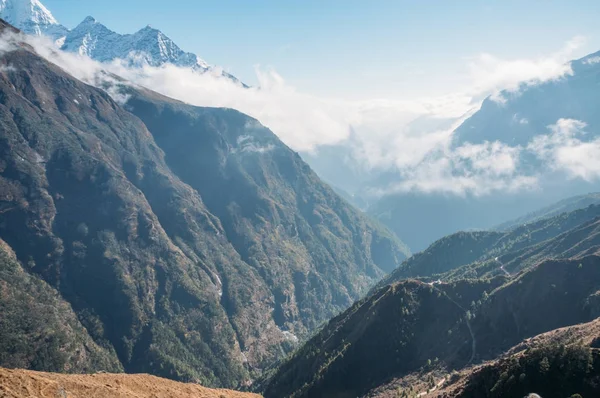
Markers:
<point>475,255</point>
<point>553,370</point>
<point>404,327</point>
<point>39,331</point>
<point>193,244</point>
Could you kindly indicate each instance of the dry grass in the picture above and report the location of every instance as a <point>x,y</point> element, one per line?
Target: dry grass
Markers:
<point>25,383</point>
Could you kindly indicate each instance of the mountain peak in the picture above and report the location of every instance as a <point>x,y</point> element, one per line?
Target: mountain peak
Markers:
<point>148,29</point>
<point>32,17</point>
<point>22,11</point>
<point>89,20</point>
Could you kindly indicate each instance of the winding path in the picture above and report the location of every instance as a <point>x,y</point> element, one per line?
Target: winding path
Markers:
<point>502,267</point>
<point>432,389</point>
<point>467,316</point>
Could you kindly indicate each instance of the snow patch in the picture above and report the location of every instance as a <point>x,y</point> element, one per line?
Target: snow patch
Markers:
<point>7,68</point>
<point>592,60</point>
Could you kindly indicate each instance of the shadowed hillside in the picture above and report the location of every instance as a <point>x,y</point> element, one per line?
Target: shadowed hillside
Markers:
<point>410,327</point>
<point>196,247</point>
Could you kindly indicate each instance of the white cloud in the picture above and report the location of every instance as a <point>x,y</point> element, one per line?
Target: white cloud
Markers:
<point>491,74</point>
<point>245,144</point>
<point>475,169</point>
<point>563,149</point>
<point>410,138</point>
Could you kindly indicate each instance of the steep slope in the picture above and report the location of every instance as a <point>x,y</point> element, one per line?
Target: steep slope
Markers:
<point>560,363</point>
<point>32,17</point>
<point>39,330</point>
<point>74,210</point>
<point>273,208</point>
<point>200,274</point>
<point>25,384</point>
<point>397,330</point>
<point>409,327</point>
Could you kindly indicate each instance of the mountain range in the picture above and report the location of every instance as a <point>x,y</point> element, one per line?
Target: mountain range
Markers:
<point>148,46</point>
<point>520,120</point>
<point>185,242</point>
<point>141,234</point>
<point>451,315</point>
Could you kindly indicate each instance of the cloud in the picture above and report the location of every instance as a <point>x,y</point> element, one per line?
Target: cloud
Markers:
<point>246,145</point>
<point>491,74</point>
<point>410,139</point>
<point>469,169</point>
<point>565,150</point>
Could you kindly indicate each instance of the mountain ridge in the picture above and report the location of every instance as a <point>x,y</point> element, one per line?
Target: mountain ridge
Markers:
<point>32,17</point>
<point>191,241</point>
<point>146,47</point>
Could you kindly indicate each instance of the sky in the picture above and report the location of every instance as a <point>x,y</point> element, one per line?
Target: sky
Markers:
<point>354,49</point>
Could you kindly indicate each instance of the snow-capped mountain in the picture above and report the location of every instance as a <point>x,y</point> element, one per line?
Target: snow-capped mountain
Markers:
<point>32,17</point>
<point>147,46</point>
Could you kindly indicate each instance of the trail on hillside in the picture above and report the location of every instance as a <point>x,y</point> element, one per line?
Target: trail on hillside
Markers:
<point>502,267</point>
<point>432,389</point>
<point>467,316</point>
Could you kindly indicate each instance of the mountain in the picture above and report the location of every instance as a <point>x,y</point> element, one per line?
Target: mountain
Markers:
<point>39,329</point>
<point>412,328</point>
<point>483,253</point>
<point>25,384</point>
<point>420,219</point>
<point>561,363</point>
<point>479,294</point>
<point>190,242</point>
<point>32,17</point>
<point>512,118</point>
<point>148,46</point>
<point>522,114</point>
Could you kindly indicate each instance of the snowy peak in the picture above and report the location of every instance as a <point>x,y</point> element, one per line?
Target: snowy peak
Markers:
<point>89,20</point>
<point>25,11</point>
<point>148,46</point>
<point>31,17</point>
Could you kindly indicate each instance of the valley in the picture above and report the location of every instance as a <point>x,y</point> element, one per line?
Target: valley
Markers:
<point>153,247</point>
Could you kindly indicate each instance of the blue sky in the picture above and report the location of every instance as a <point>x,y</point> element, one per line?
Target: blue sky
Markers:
<point>350,48</point>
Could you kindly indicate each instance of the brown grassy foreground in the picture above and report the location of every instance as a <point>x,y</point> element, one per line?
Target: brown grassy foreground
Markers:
<point>25,383</point>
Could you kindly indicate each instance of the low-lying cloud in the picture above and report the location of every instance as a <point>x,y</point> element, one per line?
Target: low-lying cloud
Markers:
<point>491,74</point>
<point>411,138</point>
<point>565,150</point>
